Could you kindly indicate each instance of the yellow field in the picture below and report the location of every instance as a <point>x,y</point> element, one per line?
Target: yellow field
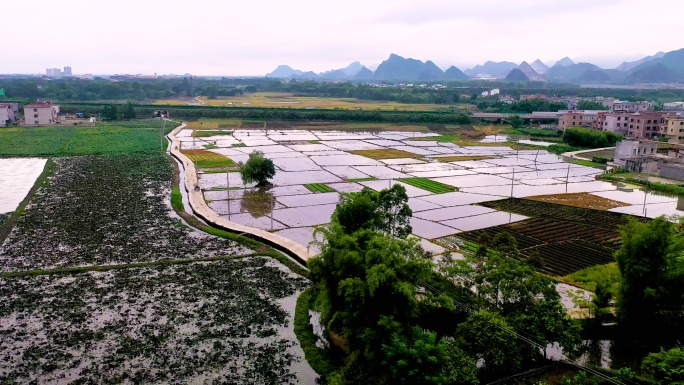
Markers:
<point>208,159</point>
<point>287,100</point>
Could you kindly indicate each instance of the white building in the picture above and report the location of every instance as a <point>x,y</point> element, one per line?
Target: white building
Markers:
<point>634,148</point>
<point>8,112</point>
<point>632,107</point>
<point>41,113</point>
<point>675,106</point>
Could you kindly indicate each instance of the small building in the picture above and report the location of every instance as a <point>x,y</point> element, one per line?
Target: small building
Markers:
<point>164,114</point>
<point>632,107</point>
<point>582,118</point>
<point>8,113</point>
<point>674,106</point>
<point>673,128</point>
<point>648,164</point>
<point>41,113</point>
<point>672,171</point>
<point>632,148</point>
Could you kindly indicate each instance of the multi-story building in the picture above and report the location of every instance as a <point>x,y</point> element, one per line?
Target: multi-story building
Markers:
<point>645,125</point>
<point>673,128</point>
<point>67,71</point>
<point>674,106</point>
<point>576,119</point>
<point>613,122</point>
<point>8,113</point>
<point>41,113</point>
<point>54,72</point>
<point>632,107</point>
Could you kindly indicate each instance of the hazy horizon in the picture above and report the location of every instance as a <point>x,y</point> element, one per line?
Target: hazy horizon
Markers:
<point>252,39</point>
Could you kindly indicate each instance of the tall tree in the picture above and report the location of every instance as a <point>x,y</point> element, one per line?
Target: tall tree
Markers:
<point>128,111</point>
<point>257,169</point>
<point>385,211</point>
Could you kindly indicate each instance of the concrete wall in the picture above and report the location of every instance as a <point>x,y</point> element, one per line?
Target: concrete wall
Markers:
<point>672,171</point>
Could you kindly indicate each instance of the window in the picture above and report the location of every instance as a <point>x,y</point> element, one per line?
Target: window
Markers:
<point>634,152</point>
<point>36,122</point>
<point>35,115</point>
<point>35,110</point>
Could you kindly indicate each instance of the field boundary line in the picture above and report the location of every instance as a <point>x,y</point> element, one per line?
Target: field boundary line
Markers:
<point>200,208</point>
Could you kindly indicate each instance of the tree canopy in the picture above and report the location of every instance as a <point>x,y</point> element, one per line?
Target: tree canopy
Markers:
<point>257,169</point>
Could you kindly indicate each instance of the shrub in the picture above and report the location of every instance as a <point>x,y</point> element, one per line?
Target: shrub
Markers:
<point>586,137</point>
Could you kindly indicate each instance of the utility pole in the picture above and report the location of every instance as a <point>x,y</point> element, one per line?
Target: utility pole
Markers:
<point>512,181</point>
<point>567,179</point>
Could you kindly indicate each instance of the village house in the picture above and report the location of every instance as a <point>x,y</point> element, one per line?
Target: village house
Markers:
<point>41,113</point>
<point>8,113</point>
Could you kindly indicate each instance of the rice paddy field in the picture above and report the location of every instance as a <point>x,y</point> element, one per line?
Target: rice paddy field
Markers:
<point>287,100</point>
<point>453,189</point>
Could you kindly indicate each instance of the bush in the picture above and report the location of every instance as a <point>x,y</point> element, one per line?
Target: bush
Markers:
<point>258,169</point>
<point>586,137</point>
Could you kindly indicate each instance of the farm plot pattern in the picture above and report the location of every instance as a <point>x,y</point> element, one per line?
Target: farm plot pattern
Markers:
<point>568,239</point>
<point>106,210</point>
<point>205,322</point>
<point>429,185</point>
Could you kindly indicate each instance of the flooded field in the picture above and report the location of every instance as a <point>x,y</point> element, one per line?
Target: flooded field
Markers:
<point>326,157</point>
<point>17,176</point>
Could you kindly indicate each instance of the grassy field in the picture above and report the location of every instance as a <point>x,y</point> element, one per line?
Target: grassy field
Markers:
<point>386,153</point>
<point>206,133</point>
<point>287,100</point>
<point>319,188</point>
<point>103,139</point>
<point>589,277</point>
<point>429,185</point>
<point>208,159</point>
<point>589,163</point>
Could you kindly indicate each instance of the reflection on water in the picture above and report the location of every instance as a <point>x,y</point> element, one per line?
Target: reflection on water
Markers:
<point>257,202</point>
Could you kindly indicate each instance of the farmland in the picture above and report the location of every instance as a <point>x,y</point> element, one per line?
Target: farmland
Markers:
<point>105,138</point>
<point>568,239</point>
<point>208,159</point>
<point>288,100</point>
<point>213,124</point>
<point>429,185</point>
<point>384,154</point>
<point>319,187</point>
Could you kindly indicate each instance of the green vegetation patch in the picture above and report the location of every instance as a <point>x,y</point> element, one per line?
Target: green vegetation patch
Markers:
<point>239,145</point>
<point>206,133</point>
<point>318,358</point>
<point>589,163</point>
<point>319,188</point>
<point>362,179</point>
<point>655,186</point>
<point>385,153</point>
<point>588,278</point>
<point>103,139</point>
<point>208,159</point>
<point>315,141</point>
<point>429,185</point>
<point>460,158</point>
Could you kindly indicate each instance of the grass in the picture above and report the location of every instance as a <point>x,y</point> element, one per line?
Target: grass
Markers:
<point>588,163</point>
<point>583,200</point>
<point>429,185</point>
<point>459,158</point>
<point>319,188</point>
<point>206,133</point>
<point>315,141</point>
<point>208,159</point>
<point>318,358</point>
<point>362,179</point>
<point>440,138</point>
<point>104,139</point>
<point>213,124</point>
<point>239,145</point>
<point>385,153</point>
<point>589,277</point>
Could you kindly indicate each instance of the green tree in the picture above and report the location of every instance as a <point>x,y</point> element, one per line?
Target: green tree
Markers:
<point>211,92</point>
<point>581,378</point>
<point>423,359</point>
<point>257,169</point>
<point>665,367</point>
<point>110,112</point>
<point>643,263</point>
<point>128,111</point>
<point>385,211</point>
<point>368,283</point>
<point>590,105</point>
<point>516,121</point>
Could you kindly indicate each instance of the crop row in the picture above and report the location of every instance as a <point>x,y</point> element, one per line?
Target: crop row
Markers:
<point>319,188</point>
<point>429,185</point>
<point>563,258</point>
<point>536,209</point>
<point>549,230</point>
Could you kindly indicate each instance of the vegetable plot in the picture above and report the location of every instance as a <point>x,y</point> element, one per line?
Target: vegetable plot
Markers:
<point>429,185</point>
<point>319,188</point>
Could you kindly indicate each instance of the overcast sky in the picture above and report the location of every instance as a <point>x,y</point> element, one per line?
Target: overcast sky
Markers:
<point>252,37</point>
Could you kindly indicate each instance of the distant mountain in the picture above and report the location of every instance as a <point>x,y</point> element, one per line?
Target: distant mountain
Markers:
<point>673,61</point>
<point>539,67</point>
<point>399,68</point>
<point>516,75</point>
<point>283,71</point>
<point>309,75</point>
<point>564,62</point>
<point>453,73</point>
<point>530,73</point>
<point>364,74</point>
<point>655,73</point>
<point>497,70</point>
<point>630,65</point>
<point>594,76</point>
<point>570,73</point>
<point>345,73</point>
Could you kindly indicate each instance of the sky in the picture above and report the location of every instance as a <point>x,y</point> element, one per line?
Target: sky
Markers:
<point>252,37</point>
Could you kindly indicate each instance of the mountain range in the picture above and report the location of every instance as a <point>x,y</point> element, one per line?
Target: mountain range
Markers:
<point>659,68</point>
